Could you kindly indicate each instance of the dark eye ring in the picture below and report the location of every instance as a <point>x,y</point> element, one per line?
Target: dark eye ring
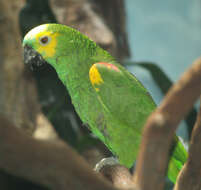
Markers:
<point>44,40</point>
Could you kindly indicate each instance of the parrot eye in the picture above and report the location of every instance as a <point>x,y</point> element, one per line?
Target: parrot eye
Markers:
<point>44,40</point>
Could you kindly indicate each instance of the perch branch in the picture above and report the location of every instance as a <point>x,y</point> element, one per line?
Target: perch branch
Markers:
<point>190,176</point>
<point>50,163</point>
<point>118,175</point>
<point>160,129</point>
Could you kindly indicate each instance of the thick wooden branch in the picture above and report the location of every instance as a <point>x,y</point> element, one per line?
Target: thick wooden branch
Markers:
<point>160,127</point>
<point>190,176</point>
<point>49,163</point>
<point>17,88</point>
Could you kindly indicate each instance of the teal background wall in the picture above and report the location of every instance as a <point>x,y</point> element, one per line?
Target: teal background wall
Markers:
<point>167,33</point>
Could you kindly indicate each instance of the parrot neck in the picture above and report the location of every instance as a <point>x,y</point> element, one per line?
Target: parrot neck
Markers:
<point>76,80</point>
<point>73,70</point>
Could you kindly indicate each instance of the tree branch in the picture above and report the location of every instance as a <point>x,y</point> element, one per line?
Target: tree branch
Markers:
<point>118,175</point>
<point>50,163</point>
<point>190,176</point>
<point>160,129</point>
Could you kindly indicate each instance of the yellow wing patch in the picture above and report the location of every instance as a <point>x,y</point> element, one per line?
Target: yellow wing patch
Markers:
<point>95,76</point>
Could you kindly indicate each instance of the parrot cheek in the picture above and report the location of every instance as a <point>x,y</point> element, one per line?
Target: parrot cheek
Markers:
<point>32,58</point>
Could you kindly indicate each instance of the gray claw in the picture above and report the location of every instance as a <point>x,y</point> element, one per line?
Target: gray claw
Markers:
<point>106,161</point>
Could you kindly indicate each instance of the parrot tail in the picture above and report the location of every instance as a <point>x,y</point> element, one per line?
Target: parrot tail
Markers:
<point>177,160</point>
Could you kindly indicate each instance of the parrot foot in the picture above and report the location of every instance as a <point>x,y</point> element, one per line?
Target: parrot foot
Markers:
<point>110,161</point>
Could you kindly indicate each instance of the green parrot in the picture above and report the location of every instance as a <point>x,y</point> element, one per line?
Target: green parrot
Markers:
<point>110,100</point>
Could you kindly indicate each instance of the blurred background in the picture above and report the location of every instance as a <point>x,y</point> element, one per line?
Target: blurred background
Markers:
<point>155,40</point>
<point>167,34</point>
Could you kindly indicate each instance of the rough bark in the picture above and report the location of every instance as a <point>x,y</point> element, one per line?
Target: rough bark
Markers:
<point>50,163</point>
<point>102,21</point>
<point>18,95</point>
<point>114,15</point>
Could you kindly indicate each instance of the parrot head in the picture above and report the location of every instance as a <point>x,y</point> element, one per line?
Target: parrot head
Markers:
<point>48,43</point>
<point>39,46</point>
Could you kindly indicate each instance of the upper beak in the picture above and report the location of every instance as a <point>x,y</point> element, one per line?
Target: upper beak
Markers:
<point>32,57</point>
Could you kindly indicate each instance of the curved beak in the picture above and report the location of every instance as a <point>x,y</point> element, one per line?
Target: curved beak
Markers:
<point>32,58</point>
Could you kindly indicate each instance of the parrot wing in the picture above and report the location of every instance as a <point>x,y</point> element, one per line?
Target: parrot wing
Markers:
<point>129,102</point>
<point>122,94</point>
<point>127,105</point>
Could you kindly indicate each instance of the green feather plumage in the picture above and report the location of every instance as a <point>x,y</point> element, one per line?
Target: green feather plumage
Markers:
<point>117,111</point>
